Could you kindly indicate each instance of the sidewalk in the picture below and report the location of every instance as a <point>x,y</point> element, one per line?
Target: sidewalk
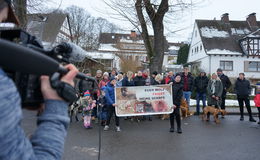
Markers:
<point>231,107</point>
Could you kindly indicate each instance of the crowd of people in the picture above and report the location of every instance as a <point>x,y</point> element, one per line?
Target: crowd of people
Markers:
<point>212,90</point>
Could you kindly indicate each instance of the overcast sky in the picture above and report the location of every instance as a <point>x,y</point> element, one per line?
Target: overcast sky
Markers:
<point>237,9</point>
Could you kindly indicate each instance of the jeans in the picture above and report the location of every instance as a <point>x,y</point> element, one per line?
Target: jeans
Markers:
<point>186,96</point>
<point>200,96</point>
<point>111,111</point>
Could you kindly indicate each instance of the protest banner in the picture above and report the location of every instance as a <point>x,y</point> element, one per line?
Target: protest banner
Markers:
<point>143,100</point>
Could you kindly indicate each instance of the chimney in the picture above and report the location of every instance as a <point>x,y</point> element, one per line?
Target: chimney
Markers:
<point>133,34</point>
<point>251,20</point>
<point>225,18</point>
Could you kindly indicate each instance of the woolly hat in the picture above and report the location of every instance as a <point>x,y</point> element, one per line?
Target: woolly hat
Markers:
<point>87,93</point>
<point>105,74</point>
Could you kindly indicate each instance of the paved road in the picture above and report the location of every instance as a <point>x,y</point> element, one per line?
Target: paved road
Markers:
<point>230,140</point>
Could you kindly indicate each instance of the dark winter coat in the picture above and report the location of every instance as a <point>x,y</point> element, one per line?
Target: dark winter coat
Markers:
<point>242,88</point>
<point>190,81</point>
<point>225,82</point>
<point>139,81</point>
<point>218,92</point>
<point>110,94</point>
<point>126,82</point>
<point>84,85</point>
<point>201,84</point>
<point>177,93</point>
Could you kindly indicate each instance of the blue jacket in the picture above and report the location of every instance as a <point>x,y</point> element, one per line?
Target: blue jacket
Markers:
<point>110,94</point>
<point>46,143</point>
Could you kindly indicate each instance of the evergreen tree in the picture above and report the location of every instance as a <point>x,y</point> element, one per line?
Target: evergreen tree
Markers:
<point>183,54</point>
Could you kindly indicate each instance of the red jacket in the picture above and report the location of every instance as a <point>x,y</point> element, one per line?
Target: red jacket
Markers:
<point>257,100</point>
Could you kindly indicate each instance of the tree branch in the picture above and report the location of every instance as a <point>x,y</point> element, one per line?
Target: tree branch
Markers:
<point>145,35</point>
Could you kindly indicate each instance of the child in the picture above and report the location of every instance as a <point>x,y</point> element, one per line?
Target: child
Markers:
<point>257,100</point>
<point>87,105</point>
<point>102,113</point>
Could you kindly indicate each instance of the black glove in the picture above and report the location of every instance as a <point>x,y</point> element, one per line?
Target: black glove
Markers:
<point>64,90</point>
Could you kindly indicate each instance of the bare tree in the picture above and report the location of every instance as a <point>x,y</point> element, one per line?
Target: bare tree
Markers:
<point>86,29</point>
<point>143,14</point>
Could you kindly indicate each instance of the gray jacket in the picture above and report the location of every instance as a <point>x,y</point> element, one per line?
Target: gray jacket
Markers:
<point>46,143</point>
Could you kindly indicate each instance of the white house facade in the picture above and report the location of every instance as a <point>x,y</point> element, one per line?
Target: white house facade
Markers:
<point>232,46</point>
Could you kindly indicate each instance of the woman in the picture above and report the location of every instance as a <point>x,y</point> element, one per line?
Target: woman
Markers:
<point>176,98</point>
<point>215,89</point>
<point>103,82</point>
<point>128,79</point>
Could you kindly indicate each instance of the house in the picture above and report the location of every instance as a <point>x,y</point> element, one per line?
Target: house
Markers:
<point>170,58</point>
<point>51,29</point>
<point>230,45</point>
<point>129,49</point>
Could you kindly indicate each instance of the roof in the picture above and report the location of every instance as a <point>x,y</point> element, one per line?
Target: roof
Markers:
<point>112,38</point>
<point>223,38</point>
<point>45,26</point>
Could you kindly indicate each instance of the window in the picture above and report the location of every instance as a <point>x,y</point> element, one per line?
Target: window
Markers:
<point>196,33</point>
<point>252,66</point>
<point>226,65</point>
<point>200,47</point>
<point>197,48</point>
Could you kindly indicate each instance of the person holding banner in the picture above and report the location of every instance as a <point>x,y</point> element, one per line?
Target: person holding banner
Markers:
<point>110,100</point>
<point>176,97</point>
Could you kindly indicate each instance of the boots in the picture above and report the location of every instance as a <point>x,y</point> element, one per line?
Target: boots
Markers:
<point>179,130</point>
<point>171,129</point>
<point>251,119</point>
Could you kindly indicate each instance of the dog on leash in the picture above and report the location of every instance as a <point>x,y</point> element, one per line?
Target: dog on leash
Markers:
<point>214,111</point>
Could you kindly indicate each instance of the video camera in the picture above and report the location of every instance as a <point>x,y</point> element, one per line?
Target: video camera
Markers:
<point>29,84</point>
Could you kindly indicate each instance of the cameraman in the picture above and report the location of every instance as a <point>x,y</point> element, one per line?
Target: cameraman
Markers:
<point>48,140</point>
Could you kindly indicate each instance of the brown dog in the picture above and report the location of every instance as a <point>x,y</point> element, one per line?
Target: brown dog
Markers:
<point>214,111</point>
<point>185,112</point>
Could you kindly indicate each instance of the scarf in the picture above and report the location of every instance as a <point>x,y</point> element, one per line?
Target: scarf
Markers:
<point>213,86</point>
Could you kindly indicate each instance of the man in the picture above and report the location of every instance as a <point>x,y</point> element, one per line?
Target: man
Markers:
<point>187,82</point>
<point>89,85</point>
<point>48,140</point>
<point>243,90</point>
<point>110,102</point>
<point>226,84</point>
<point>200,85</point>
<point>139,80</point>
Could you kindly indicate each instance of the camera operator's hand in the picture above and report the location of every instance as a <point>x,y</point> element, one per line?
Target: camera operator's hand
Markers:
<point>48,92</point>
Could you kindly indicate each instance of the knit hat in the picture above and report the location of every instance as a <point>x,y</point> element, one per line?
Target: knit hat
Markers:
<point>105,74</point>
<point>87,93</point>
<point>11,16</point>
